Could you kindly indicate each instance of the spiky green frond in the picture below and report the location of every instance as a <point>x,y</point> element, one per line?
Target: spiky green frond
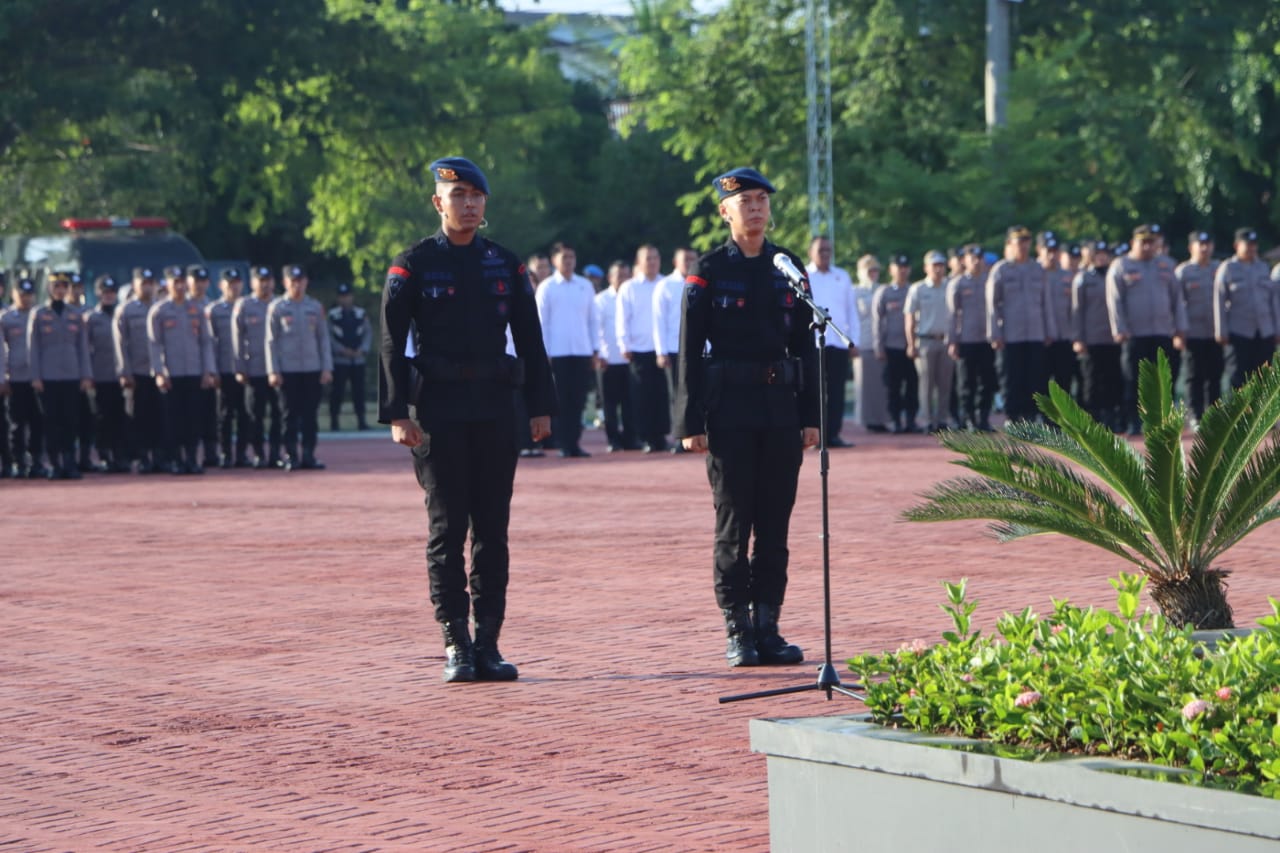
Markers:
<point>1257,486</point>
<point>1224,540</point>
<point>1087,443</point>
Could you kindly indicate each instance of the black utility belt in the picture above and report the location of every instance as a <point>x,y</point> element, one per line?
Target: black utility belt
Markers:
<point>505,369</point>
<point>787,371</point>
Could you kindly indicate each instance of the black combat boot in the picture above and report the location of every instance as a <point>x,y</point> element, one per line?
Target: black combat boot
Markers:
<point>741,647</point>
<point>769,644</point>
<point>489,663</point>
<point>459,656</point>
<point>70,471</point>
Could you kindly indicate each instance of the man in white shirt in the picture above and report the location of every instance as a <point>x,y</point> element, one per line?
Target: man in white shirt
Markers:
<point>666,320</point>
<point>635,331</point>
<point>615,376</point>
<point>833,292</point>
<point>567,310</point>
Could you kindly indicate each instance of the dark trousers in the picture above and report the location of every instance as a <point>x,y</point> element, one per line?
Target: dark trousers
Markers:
<point>1102,384</point>
<point>184,418</point>
<point>26,425</point>
<point>85,423</point>
<point>572,375</point>
<point>208,424</point>
<point>300,405</point>
<point>145,423</point>
<point>672,374</point>
<point>976,383</point>
<point>342,375</point>
<point>262,400</point>
<point>615,392</point>
<point>6,452</point>
<point>1203,361</point>
<point>1022,374</point>
<point>649,399</point>
<point>838,372</point>
<point>109,421</point>
<point>903,385</point>
<point>753,475</point>
<point>233,417</point>
<point>1247,355</point>
<point>1133,352</point>
<point>60,408</point>
<point>1062,366</point>
<point>467,470</point>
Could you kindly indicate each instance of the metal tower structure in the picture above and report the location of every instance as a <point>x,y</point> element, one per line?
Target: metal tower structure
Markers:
<point>817,79</point>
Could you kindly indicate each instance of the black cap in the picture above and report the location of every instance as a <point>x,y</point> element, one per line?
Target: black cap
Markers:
<point>1017,232</point>
<point>293,271</point>
<point>175,271</point>
<point>231,274</point>
<point>105,282</point>
<point>1145,232</point>
<point>973,249</point>
<point>1121,249</point>
<point>1073,250</point>
<point>26,285</point>
<point>901,260</point>
<point>144,273</point>
<point>1246,234</point>
<point>1101,246</point>
<point>1047,240</point>
<point>1200,237</point>
<point>75,278</point>
<point>262,272</point>
<point>344,289</point>
<point>197,271</point>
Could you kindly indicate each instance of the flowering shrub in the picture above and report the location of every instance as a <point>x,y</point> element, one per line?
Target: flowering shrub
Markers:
<point>1094,682</point>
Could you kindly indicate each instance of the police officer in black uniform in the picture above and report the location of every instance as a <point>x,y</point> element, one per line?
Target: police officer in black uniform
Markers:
<point>752,404</point>
<point>455,293</point>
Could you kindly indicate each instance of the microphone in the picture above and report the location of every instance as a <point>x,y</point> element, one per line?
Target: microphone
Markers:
<point>788,268</point>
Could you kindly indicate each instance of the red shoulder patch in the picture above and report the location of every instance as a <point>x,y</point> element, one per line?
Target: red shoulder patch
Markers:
<point>400,271</point>
<point>696,281</point>
<point>521,270</point>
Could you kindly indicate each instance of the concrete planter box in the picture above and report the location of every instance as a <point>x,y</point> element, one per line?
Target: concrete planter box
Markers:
<point>844,783</point>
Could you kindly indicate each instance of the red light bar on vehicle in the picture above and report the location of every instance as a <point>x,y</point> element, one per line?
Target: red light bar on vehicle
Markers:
<point>114,222</point>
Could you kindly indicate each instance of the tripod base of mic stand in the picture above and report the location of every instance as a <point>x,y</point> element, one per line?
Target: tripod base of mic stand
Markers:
<point>827,681</point>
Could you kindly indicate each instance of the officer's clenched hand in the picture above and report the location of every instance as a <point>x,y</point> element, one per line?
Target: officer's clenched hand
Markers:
<point>276,380</point>
<point>208,381</point>
<point>242,379</point>
<point>126,381</point>
<point>405,431</point>
<point>37,385</point>
<point>695,443</point>
<point>162,382</point>
<point>663,361</point>
<point>810,435</point>
<point>86,385</point>
<point>540,427</point>
<point>325,377</point>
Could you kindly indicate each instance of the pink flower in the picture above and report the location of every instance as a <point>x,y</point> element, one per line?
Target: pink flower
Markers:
<point>1224,694</point>
<point>917,645</point>
<point>967,677</point>
<point>1026,699</point>
<point>1057,629</point>
<point>912,692</point>
<point>1194,708</point>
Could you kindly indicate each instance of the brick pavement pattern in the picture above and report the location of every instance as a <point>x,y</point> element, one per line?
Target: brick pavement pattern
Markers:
<point>247,661</point>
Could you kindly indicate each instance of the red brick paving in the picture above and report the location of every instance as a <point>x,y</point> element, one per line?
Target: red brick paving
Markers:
<point>247,661</point>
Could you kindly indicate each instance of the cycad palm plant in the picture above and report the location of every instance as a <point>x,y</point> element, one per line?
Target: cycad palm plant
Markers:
<point>1171,511</point>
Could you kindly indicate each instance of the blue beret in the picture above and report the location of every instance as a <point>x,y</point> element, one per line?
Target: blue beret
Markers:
<point>592,269</point>
<point>450,169</point>
<point>742,178</point>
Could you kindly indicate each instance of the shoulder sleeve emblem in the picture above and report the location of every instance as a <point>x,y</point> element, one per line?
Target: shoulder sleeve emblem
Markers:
<point>396,279</point>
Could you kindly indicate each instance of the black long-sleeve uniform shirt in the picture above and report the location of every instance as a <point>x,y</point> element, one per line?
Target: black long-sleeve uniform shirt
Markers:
<point>457,302</point>
<point>745,308</point>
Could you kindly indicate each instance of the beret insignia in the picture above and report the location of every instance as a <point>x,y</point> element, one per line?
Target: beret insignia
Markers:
<point>446,174</point>
<point>729,184</point>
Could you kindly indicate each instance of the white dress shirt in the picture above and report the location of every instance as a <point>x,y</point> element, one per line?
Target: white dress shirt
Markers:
<point>635,314</point>
<point>833,291</point>
<point>567,309</point>
<point>666,314</point>
<point>607,344</point>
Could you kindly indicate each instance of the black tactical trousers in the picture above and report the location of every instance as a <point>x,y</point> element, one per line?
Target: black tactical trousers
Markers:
<point>260,400</point>
<point>467,470</point>
<point>903,385</point>
<point>1102,383</point>
<point>615,392</point>
<point>1061,365</point>
<point>342,375</point>
<point>975,382</point>
<point>1247,355</point>
<point>85,423</point>
<point>208,424</point>
<point>753,474</point>
<point>60,408</point>
<point>649,399</point>
<point>183,418</point>
<point>300,404</point>
<point>1022,367</point>
<point>6,454</point>
<point>573,379</point>
<point>26,424</point>
<point>1133,352</point>
<point>146,425</point>
<point>1203,362</point>
<point>108,414</point>
<point>233,417</point>
<point>839,369</point>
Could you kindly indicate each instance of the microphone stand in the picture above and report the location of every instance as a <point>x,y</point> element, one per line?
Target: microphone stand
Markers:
<point>827,681</point>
